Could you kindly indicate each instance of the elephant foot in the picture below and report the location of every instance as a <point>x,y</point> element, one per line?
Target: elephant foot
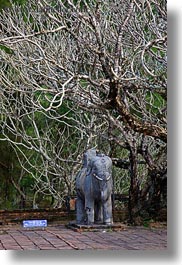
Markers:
<point>98,221</point>
<point>109,222</point>
<point>80,223</point>
<point>89,223</point>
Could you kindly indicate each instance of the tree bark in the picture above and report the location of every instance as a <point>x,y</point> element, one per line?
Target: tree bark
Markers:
<point>135,124</point>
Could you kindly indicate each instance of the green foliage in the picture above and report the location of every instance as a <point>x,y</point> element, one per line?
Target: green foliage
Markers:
<point>6,49</point>
<point>56,120</point>
<point>6,3</point>
<point>27,182</point>
<point>20,2</point>
<point>155,102</point>
<point>8,168</point>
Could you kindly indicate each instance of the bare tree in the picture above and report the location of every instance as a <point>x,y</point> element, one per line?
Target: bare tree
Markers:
<point>107,61</point>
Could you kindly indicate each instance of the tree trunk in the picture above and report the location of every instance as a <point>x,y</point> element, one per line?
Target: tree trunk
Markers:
<point>134,188</point>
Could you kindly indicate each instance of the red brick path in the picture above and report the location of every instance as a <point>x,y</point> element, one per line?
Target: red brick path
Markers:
<point>59,237</point>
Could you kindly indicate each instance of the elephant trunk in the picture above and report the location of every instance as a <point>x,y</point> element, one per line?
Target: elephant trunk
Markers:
<point>102,195</point>
<point>103,185</point>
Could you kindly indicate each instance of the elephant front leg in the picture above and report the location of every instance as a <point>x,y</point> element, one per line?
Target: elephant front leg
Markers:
<point>89,209</point>
<point>98,212</point>
<point>107,212</point>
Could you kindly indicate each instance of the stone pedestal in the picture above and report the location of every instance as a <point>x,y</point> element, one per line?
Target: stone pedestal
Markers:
<point>96,227</point>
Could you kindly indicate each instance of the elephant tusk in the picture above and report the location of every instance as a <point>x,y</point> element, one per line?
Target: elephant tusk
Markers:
<point>108,178</point>
<point>97,177</point>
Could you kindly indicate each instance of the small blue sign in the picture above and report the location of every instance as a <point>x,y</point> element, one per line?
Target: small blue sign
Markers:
<point>34,223</point>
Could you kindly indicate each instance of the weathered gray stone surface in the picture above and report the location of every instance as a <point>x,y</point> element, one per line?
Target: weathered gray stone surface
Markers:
<point>94,187</point>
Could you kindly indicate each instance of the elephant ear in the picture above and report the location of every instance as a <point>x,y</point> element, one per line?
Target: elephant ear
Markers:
<point>109,164</point>
<point>109,161</point>
<point>85,160</point>
<point>88,156</point>
<point>89,166</point>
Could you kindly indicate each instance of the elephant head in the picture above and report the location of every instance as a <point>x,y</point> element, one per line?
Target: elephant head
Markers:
<point>101,172</point>
<point>101,167</point>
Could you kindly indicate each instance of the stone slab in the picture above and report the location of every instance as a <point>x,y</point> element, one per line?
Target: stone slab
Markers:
<point>96,227</point>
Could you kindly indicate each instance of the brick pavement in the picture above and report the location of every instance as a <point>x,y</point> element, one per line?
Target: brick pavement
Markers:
<point>60,237</point>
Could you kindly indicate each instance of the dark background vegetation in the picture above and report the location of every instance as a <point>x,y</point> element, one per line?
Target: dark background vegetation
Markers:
<point>76,75</point>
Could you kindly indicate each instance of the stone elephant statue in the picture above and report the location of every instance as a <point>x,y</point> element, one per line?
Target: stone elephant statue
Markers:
<point>94,186</point>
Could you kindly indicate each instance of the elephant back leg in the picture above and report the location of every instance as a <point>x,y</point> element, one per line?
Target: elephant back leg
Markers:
<point>80,210</point>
